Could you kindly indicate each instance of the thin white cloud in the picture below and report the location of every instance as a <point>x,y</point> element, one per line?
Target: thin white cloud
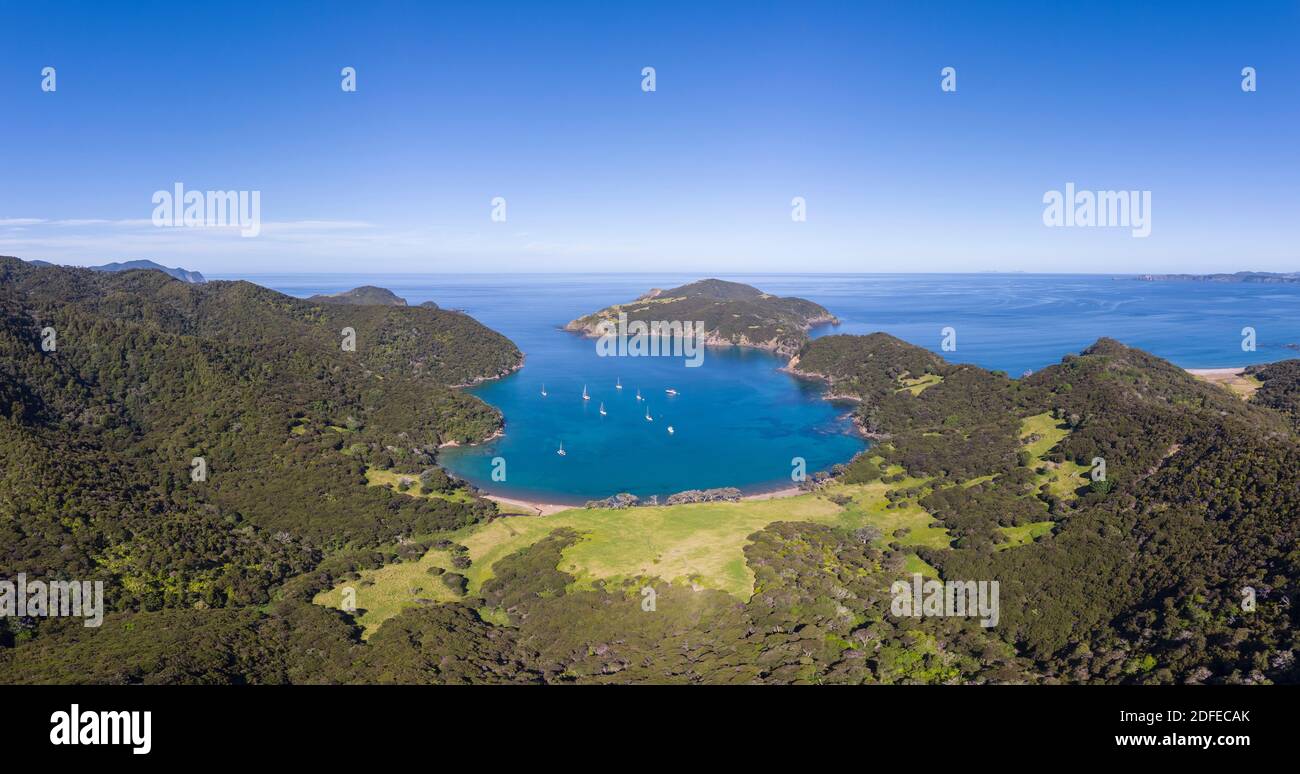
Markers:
<point>340,244</point>
<point>285,226</point>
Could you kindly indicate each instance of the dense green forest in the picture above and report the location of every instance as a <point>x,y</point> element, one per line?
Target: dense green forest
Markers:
<point>98,436</point>
<point>1279,387</point>
<point>1144,573</point>
<point>1135,577</point>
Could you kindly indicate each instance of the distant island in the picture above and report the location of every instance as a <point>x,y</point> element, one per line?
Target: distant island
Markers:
<point>369,295</point>
<point>1265,277</point>
<point>366,295</point>
<point>184,275</point>
<point>733,314</point>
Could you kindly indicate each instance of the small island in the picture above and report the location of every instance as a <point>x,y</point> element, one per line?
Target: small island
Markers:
<point>1259,277</point>
<point>734,314</point>
<point>366,295</point>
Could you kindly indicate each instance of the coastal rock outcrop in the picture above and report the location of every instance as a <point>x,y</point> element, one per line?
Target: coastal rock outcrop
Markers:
<point>721,494</point>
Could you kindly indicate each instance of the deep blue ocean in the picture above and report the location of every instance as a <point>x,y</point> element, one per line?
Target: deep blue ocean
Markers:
<point>737,420</point>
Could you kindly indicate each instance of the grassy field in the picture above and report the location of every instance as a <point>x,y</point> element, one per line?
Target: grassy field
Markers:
<point>391,480</point>
<point>1025,533</point>
<point>868,508</point>
<point>1063,479</point>
<point>700,543</point>
<point>1060,479</point>
<point>919,384</point>
<point>383,593</point>
<point>1050,432</point>
<point>917,564</point>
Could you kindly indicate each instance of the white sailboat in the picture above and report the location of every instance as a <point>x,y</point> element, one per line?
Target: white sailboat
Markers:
<point>618,384</point>
<point>561,452</point>
<point>648,418</point>
<point>671,391</point>
<point>585,396</point>
<point>671,430</point>
<point>638,393</point>
<point>543,390</point>
<point>602,409</point>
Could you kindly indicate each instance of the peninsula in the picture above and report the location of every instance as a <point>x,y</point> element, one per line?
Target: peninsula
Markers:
<point>733,314</point>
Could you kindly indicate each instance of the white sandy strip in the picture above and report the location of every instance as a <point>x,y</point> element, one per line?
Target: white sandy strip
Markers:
<point>1215,371</point>
<point>546,509</point>
<point>541,509</point>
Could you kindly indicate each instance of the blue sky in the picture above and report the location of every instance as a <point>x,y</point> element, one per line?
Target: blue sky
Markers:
<point>756,103</point>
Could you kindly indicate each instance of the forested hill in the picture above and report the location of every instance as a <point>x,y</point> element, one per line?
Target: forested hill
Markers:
<point>112,385</point>
<point>423,342</point>
<point>366,294</point>
<point>1141,576</point>
<point>1279,387</point>
<point>184,275</point>
<point>732,313</point>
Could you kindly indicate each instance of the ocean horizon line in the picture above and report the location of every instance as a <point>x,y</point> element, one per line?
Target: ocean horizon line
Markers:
<point>703,273</point>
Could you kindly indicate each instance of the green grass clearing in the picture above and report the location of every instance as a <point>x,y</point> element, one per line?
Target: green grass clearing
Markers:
<point>916,564</point>
<point>1050,432</point>
<point>392,480</point>
<point>700,543</point>
<point>1025,533</point>
<point>1060,479</point>
<point>918,385</point>
<point>384,592</point>
<point>869,508</point>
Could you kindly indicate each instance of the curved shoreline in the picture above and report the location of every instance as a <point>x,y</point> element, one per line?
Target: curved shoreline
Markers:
<point>548,509</point>
<point>771,491</point>
<point>476,381</point>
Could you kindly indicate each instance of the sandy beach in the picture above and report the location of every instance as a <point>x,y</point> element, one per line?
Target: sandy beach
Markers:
<point>539,509</point>
<point>1234,379</point>
<point>546,509</point>
<point>787,492</point>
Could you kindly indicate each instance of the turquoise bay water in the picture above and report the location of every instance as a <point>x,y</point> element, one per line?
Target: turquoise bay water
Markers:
<point>738,420</point>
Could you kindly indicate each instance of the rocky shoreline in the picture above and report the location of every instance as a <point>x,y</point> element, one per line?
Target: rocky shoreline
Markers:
<point>792,368</point>
<point>499,375</point>
<point>501,430</point>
